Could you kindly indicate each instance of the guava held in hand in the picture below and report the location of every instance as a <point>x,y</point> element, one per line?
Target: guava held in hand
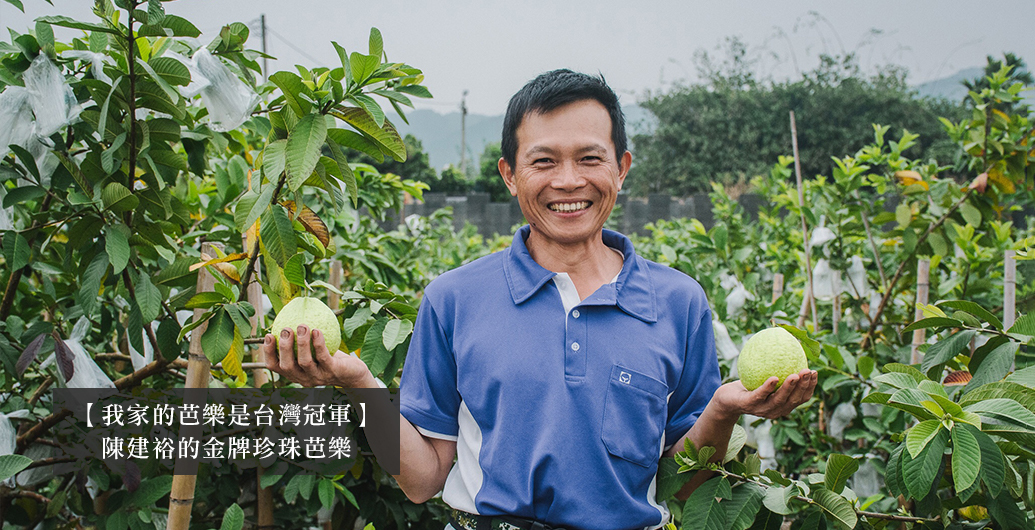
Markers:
<point>770,352</point>
<point>313,313</point>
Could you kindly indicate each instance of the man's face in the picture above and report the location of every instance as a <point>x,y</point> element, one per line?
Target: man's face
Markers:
<point>566,175</point>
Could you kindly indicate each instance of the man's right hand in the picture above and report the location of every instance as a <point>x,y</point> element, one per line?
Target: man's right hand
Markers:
<point>314,366</point>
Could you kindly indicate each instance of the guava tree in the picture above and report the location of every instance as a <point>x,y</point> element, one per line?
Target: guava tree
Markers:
<point>127,148</point>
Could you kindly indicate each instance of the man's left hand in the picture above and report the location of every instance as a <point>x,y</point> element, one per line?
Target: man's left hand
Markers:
<point>767,401</point>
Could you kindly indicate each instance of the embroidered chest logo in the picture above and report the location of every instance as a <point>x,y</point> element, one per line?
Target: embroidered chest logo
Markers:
<point>624,377</point>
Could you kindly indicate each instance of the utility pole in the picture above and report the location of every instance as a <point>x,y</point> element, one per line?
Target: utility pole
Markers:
<point>463,135</point>
<point>265,63</point>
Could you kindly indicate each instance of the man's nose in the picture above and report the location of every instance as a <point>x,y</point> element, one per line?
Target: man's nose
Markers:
<point>568,177</point>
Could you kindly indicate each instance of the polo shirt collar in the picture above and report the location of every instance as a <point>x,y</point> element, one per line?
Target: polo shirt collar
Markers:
<point>633,292</point>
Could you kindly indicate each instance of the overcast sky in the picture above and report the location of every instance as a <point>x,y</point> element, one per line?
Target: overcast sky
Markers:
<point>492,47</point>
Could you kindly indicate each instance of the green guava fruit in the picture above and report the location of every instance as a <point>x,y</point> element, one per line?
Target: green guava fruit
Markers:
<point>770,352</point>
<point>313,313</point>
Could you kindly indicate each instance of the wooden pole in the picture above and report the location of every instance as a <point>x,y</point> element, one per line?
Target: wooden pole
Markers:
<point>334,299</point>
<point>805,303</point>
<point>1009,289</point>
<point>804,225</point>
<point>1009,292</point>
<point>923,270</point>
<point>181,498</point>
<point>837,302</point>
<point>777,286</point>
<point>260,376</point>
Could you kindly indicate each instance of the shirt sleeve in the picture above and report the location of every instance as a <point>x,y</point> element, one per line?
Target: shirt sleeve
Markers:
<point>699,381</point>
<point>428,392</point>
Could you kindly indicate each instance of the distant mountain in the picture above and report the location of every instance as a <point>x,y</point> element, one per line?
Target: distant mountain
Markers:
<point>440,133</point>
<point>950,87</point>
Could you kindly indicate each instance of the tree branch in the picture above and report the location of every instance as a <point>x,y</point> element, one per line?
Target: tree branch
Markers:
<point>890,289</point>
<point>16,276</point>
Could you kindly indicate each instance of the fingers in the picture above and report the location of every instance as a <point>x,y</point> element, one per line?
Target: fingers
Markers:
<point>321,354</point>
<point>286,350</point>
<point>303,341</point>
<point>269,353</point>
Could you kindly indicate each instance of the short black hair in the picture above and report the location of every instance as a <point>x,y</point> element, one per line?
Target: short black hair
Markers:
<point>555,89</point>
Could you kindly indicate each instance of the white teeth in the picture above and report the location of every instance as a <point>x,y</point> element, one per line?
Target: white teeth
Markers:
<point>569,206</point>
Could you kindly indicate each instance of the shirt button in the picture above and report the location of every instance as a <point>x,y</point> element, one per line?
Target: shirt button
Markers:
<point>575,313</point>
<point>575,346</point>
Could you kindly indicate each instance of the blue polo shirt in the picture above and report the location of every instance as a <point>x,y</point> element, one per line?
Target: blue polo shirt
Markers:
<point>559,416</point>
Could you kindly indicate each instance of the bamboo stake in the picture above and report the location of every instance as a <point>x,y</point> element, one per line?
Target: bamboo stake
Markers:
<point>264,496</point>
<point>777,286</point>
<point>923,271</point>
<point>181,498</point>
<point>804,225</point>
<point>1009,289</point>
<point>805,303</point>
<point>334,299</point>
<point>1009,292</point>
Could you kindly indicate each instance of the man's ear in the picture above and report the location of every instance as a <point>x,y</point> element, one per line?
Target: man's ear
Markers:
<point>623,168</point>
<point>508,175</point>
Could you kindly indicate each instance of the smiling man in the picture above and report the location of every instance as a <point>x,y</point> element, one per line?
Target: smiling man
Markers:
<point>558,372</point>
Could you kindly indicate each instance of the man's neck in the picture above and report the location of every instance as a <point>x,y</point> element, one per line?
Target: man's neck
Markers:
<point>589,264</point>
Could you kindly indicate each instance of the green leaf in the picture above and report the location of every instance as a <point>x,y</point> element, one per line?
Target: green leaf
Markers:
<point>737,440</point>
<point>386,138</point>
<point>218,337</point>
<point>151,491</point>
<point>920,435</point>
<point>975,310</point>
<point>303,149</point>
<point>233,519</point>
<point>277,234</point>
<point>919,473</point>
<point>776,499</point>
<point>294,89</point>
<point>90,282</point>
<point>395,333</point>
<point>294,270</point>
<point>811,346</point>
<point>16,250</point>
<point>893,473</point>
<point>326,493</point>
<point>414,90</point>
<point>171,25</point>
<point>347,176</point>
<point>269,479</point>
<point>354,140</point>
<point>837,508</point>
<point>11,465</point>
<point>903,214</point>
<point>1005,410</point>
<point>966,458</point>
<point>149,298</point>
<point>363,66</point>
<point>206,300</point>
<point>839,469</point>
<point>933,322</point>
<point>251,206</point>
<point>159,80</point>
<point>971,214</point>
<point>368,104</point>
<point>993,467</point>
<point>116,244</point>
<point>1024,325</point>
<point>911,401</point>
<point>742,508</point>
<point>670,480</point>
<point>377,45</point>
<point>897,380</point>
<point>1007,515</point>
<point>357,320</point>
<point>118,198</point>
<point>703,507</point>
<point>944,351</point>
<point>23,194</point>
<point>374,353</point>
<point>67,22</point>
<point>994,367</point>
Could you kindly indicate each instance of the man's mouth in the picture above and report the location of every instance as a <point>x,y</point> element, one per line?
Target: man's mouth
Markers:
<point>569,207</point>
